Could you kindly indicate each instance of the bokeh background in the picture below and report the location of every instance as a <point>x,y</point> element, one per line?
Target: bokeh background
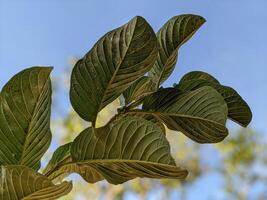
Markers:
<point>232,46</point>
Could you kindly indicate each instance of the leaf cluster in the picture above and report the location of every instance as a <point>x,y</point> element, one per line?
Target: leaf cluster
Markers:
<point>130,63</point>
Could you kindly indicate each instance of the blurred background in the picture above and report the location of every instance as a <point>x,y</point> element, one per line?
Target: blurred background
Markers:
<point>232,46</point>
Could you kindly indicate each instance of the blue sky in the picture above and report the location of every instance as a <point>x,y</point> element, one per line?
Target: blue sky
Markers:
<point>232,45</point>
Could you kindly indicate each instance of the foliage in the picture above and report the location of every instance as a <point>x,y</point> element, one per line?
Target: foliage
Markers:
<point>239,167</point>
<point>130,63</point>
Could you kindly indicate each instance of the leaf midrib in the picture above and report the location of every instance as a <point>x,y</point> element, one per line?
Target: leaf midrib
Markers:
<point>65,186</point>
<point>176,49</point>
<point>175,115</point>
<point>122,161</point>
<point>30,124</point>
<point>109,161</point>
<point>164,67</point>
<point>114,74</point>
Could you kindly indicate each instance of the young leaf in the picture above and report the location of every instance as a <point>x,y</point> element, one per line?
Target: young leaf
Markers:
<point>139,89</point>
<point>20,182</point>
<point>25,103</point>
<point>126,148</point>
<point>61,165</point>
<point>171,37</point>
<point>116,61</point>
<point>201,114</point>
<point>238,109</point>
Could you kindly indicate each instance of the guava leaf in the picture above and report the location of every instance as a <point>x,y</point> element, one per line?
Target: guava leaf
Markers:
<point>22,183</point>
<point>238,109</point>
<point>171,37</point>
<point>200,114</point>
<point>25,107</point>
<point>152,118</point>
<point>61,166</point>
<point>115,62</point>
<point>126,148</point>
<point>139,89</point>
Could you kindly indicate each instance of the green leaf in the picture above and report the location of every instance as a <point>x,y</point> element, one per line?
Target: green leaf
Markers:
<point>61,165</point>
<point>60,157</point>
<point>126,148</point>
<point>156,120</point>
<point>115,62</point>
<point>22,183</point>
<point>238,109</point>
<point>171,37</point>
<point>201,114</point>
<point>198,75</point>
<point>25,107</point>
<point>140,89</point>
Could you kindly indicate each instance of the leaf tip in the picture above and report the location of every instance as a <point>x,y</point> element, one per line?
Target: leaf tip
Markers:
<point>51,68</point>
<point>138,17</point>
<point>201,19</point>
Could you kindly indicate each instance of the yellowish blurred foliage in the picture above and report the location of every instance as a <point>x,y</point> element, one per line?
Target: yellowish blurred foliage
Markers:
<point>238,155</point>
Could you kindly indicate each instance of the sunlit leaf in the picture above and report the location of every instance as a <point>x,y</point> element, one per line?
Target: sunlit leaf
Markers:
<point>171,37</point>
<point>25,104</point>
<point>22,183</point>
<point>201,114</point>
<point>116,61</point>
<point>126,148</point>
<point>238,109</point>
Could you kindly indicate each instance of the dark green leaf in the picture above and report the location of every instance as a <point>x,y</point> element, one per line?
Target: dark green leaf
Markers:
<point>22,183</point>
<point>126,148</point>
<point>116,61</point>
<point>198,75</point>
<point>171,37</point>
<point>140,89</point>
<point>238,109</point>
<point>25,106</point>
<point>156,120</point>
<point>201,114</point>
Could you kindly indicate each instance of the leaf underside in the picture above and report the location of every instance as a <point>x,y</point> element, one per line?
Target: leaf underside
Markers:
<point>116,61</point>
<point>171,37</point>
<point>139,89</point>
<point>61,165</point>
<point>152,118</point>
<point>22,183</point>
<point>25,103</point>
<point>238,109</point>
<point>127,148</point>
<point>200,114</point>
<point>133,144</point>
